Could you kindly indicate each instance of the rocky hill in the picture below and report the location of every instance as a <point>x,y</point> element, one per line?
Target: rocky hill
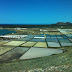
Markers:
<point>62,23</point>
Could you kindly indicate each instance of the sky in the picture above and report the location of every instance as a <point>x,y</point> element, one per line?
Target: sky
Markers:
<point>35,11</point>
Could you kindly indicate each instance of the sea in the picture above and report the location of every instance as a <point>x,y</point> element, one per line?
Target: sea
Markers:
<point>5,31</point>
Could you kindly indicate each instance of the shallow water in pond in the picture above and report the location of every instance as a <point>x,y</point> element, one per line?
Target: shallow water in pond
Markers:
<point>40,52</point>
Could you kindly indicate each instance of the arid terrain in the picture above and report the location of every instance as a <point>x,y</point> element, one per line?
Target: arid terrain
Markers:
<point>13,46</point>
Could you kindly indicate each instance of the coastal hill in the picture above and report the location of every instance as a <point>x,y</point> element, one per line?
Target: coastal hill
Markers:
<point>62,23</point>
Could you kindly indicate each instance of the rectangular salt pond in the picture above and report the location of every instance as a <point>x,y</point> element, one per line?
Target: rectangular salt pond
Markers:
<point>13,36</point>
<point>51,40</point>
<point>5,49</point>
<point>13,54</point>
<point>66,44</point>
<point>59,36</point>
<point>40,52</point>
<point>38,40</point>
<point>65,37</point>
<point>53,36</point>
<point>63,40</point>
<point>42,34</point>
<point>69,36</point>
<point>41,44</point>
<point>24,39</point>
<point>38,37</point>
<point>15,43</point>
<point>29,36</point>
<point>28,44</point>
<point>53,44</point>
<point>47,35</point>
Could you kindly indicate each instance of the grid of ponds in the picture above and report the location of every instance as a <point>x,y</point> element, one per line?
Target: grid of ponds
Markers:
<point>34,46</point>
<point>48,41</point>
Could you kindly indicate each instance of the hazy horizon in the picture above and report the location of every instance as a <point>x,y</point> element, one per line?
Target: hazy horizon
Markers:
<point>31,24</point>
